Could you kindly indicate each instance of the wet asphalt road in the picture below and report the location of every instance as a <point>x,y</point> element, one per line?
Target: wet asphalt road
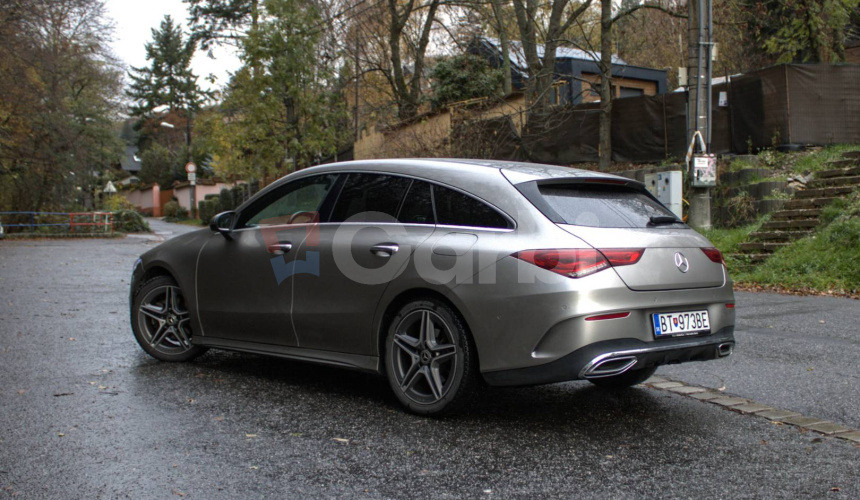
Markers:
<point>86,414</point>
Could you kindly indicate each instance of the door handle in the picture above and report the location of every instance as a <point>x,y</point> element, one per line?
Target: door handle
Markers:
<point>280,248</point>
<point>385,250</point>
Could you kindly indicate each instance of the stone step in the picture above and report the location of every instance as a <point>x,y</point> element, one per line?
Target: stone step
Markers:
<point>851,155</point>
<point>823,192</point>
<point>844,163</point>
<point>780,235</point>
<point>808,202</point>
<point>800,213</point>
<point>834,181</point>
<point>837,172</point>
<point>762,246</point>
<point>791,224</point>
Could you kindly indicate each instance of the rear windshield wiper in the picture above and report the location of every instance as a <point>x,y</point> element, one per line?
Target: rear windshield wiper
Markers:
<point>657,220</point>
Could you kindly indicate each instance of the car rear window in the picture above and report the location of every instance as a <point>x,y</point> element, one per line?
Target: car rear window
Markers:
<point>602,205</point>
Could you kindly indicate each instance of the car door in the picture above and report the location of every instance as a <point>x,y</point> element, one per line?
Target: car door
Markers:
<point>371,234</point>
<point>244,285</point>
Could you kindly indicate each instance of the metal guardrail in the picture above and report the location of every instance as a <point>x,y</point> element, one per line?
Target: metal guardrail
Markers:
<point>72,221</point>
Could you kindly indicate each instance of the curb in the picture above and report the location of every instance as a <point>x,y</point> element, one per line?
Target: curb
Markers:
<point>746,406</point>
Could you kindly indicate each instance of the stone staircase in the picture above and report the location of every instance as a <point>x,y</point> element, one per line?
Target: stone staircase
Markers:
<point>800,215</point>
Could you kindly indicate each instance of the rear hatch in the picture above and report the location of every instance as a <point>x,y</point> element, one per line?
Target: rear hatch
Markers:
<point>616,214</point>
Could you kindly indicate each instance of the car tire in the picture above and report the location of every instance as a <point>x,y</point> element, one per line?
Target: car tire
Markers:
<point>430,359</point>
<point>161,321</point>
<point>624,380</point>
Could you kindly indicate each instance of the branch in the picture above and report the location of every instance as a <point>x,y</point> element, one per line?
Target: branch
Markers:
<point>626,12</point>
<point>575,15</point>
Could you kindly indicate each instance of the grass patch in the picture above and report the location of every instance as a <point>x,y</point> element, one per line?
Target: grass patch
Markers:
<point>728,239</point>
<point>189,222</point>
<point>817,160</point>
<point>828,261</point>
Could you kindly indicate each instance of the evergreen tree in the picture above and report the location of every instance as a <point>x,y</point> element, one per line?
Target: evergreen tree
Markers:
<point>168,80</point>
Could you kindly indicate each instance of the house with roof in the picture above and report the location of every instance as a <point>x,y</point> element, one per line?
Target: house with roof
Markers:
<point>577,73</point>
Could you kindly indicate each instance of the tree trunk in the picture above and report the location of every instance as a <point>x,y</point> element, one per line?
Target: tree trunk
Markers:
<point>505,47</point>
<point>605,129</point>
<point>408,96</point>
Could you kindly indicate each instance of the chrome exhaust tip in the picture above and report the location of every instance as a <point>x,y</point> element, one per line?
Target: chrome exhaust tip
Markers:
<point>724,350</point>
<point>609,367</point>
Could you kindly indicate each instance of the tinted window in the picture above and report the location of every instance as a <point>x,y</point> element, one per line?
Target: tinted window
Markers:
<point>370,198</point>
<point>597,205</point>
<point>418,206</point>
<point>284,204</point>
<point>457,209</point>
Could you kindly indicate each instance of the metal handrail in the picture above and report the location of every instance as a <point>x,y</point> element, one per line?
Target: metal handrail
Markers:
<point>92,219</point>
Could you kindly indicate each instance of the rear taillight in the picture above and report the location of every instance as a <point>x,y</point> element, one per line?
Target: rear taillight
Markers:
<point>580,262</point>
<point>623,257</point>
<point>715,255</point>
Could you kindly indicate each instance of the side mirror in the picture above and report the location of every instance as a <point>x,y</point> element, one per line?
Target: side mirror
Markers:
<point>223,223</point>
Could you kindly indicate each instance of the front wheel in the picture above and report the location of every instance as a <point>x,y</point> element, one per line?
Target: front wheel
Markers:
<point>161,321</point>
<point>624,380</point>
<point>429,359</point>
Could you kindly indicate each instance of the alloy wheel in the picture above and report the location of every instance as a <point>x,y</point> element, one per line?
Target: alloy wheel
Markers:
<point>164,320</point>
<point>425,356</point>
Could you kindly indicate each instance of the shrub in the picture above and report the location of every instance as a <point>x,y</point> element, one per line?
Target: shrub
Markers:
<point>129,221</point>
<point>228,202</point>
<point>208,208</point>
<point>117,202</point>
<point>170,209</point>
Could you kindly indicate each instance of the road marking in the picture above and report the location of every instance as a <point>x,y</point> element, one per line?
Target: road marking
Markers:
<point>748,407</point>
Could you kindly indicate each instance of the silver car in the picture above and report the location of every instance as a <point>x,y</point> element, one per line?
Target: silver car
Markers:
<point>443,275</point>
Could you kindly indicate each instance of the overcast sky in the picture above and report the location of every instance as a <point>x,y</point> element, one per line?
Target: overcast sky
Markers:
<point>134,21</point>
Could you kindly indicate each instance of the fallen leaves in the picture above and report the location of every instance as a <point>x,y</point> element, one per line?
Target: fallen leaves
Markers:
<point>802,291</point>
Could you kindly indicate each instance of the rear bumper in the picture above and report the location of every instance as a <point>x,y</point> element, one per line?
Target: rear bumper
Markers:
<point>613,357</point>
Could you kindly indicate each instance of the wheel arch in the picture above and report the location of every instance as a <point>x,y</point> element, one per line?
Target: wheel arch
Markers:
<point>403,298</point>
<point>152,271</point>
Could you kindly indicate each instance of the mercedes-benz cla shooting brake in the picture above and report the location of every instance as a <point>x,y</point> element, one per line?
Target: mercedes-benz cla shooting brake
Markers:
<point>443,275</point>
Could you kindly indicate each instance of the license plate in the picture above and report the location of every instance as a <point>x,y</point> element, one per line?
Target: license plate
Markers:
<point>681,323</point>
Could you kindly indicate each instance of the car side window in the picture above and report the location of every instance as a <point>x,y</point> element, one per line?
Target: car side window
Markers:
<point>294,203</point>
<point>417,208</point>
<point>457,209</point>
<point>370,198</point>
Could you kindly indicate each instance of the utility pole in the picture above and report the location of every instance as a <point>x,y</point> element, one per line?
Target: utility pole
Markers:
<point>357,84</point>
<point>699,70</point>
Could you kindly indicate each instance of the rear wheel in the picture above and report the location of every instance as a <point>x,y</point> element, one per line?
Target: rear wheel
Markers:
<point>624,380</point>
<point>430,361</point>
<point>161,321</point>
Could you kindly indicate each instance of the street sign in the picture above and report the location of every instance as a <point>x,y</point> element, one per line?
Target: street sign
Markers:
<point>192,177</point>
<point>190,167</point>
<point>109,188</point>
